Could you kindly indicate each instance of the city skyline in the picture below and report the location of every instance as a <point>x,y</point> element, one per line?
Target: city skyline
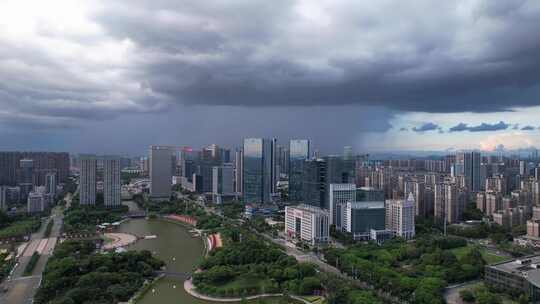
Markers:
<point>160,72</point>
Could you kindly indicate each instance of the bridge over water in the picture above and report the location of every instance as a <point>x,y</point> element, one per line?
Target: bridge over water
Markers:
<point>181,275</point>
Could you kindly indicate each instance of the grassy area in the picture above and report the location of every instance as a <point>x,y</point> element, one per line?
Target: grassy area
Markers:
<point>246,281</point>
<point>490,258</point>
<point>48,230</point>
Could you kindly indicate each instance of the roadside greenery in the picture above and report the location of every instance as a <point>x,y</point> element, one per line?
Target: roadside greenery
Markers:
<point>5,265</point>
<point>48,229</point>
<point>31,264</point>
<point>77,274</point>
<point>416,271</point>
<point>18,225</point>
<point>502,238</point>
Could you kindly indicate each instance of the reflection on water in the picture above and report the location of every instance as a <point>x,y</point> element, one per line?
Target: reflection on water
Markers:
<point>174,245</point>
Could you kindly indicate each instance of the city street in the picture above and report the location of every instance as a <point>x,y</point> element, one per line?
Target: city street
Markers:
<point>21,289</point>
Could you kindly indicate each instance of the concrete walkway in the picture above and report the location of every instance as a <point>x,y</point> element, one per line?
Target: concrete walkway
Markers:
<point>190,289</point>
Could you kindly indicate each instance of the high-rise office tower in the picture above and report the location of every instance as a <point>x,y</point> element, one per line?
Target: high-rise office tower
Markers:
<point>523,168</point>
<point>26,177</point>
<point>239,171</point>
<point>314,185</point>
<point>112,188</point>
<point>161,161</point>
<point>469,166</point>
<point>339,194</point>
<point>3,197</point>
<point>87,182</point>
<point>299,150</point>
<point>257,168</point>
<point>400,217</point>
<point>223,179</point>
<point>50,183</point>
<point>275,166</point>
<point>347,153</point>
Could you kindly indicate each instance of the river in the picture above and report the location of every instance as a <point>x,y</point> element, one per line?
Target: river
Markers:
<point>177,248</point>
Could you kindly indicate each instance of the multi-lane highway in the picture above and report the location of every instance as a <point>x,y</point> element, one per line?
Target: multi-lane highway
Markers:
<point>21,289</point>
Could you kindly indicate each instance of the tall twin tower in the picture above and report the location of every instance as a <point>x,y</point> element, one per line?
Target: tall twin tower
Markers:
<point>112,188</point>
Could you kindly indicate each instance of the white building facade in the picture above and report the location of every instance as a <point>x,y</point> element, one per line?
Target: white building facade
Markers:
<point>400,217</point>
<point>307,223</point>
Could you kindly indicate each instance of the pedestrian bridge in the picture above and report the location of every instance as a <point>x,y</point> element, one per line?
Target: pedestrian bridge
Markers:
<point>181,275</point>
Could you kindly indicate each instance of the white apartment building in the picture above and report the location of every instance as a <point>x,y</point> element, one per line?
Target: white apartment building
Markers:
<point>400,217</point>
<point>307,223</point>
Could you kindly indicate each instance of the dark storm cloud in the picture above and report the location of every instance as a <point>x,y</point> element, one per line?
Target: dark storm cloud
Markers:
<point>489,127</point>
<point>483,127</point>
<point>459,127</point>
<point>428,126</point>
<point>146,56</point>
<point>209,53</point>
<point>528,128</point>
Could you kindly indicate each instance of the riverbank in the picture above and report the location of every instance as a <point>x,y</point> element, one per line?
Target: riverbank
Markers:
<point>146,287</point>
<point>190,289</point>
<point>116,240</point>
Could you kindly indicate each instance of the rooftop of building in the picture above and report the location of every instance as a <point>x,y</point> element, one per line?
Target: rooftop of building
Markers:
<point>309,208</point>
<point>367,205</point>
<point>527,267</point>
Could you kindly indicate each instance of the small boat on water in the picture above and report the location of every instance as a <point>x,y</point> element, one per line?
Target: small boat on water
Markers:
<point>150,237</point>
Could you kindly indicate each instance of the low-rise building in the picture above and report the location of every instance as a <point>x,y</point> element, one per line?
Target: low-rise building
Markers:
<point>380,236</point>
<point>517,276</point>
<point>307,223</point>
<point>359,218</point>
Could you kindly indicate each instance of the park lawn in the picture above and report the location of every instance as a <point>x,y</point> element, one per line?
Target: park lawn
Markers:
<point>246,281</point>
<point>490,258</point>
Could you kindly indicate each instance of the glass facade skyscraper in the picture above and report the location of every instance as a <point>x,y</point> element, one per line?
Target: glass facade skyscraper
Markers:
<point>258,169</point>
<point>299,150</point>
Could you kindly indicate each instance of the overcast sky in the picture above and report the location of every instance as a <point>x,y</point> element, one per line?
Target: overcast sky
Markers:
<point>117,76</point>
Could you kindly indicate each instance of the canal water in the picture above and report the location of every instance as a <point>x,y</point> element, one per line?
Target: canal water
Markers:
<point>177,248</point>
